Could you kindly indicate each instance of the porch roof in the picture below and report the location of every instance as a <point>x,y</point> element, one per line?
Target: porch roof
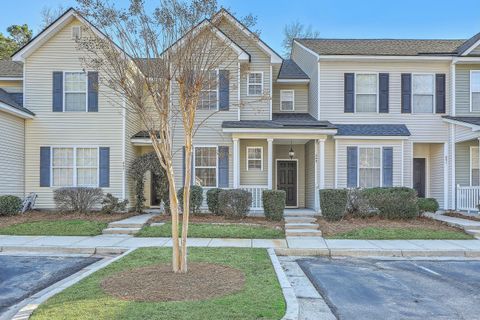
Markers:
<point>469,121</point>
<point>391,130</point>
<point>281,121</point>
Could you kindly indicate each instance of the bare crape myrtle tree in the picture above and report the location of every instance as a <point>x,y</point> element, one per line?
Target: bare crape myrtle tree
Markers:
<point>158,60</point>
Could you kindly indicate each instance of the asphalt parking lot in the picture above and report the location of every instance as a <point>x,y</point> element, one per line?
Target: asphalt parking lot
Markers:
<point>373,289</point>
<point>23,276</point>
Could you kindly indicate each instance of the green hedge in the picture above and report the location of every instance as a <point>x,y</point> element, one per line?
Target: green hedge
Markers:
<point>274,204</point>
<point>333,203</point>
<point>234,203</point>
<point>427,205</point>
<point>393,203</point>
<point>196,198</point>
<point>10,205</point>
<point>212,200</point>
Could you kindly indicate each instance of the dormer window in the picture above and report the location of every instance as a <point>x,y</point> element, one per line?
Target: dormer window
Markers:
<point>76,32</point>
<point>287,98</point>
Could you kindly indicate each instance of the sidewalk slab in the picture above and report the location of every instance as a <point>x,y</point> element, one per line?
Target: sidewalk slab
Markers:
<point>102,241</point>
<point>306,242</point>
<point>395,244</point>
<point>237,243</point>
<point>143,242</point>
<point>468,244</point>
<point>269,243</point>
<point>60,241</point>
<point>18,240</point>
<point>350,244</point>
<point>436,245</point>
<point>192,242</point>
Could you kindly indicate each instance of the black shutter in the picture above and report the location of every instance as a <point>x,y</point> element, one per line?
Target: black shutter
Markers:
<point>223,90</point>
<point>383,88</point>
<point>387,167</point>
<point>223,166</point>
<point>349,92</point>
<point>45,166</point>
<point>57,91</point>
<point>104,167</point>
<point>406,93</point>
<point>352,167</point>
<point>92,91</point>
<point>440,93</point>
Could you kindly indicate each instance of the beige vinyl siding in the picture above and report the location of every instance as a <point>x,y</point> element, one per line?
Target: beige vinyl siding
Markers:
<point>462,89</point>
<point>423,127</point>
<point>132,126</point>
<point>309,64</point>
<point>462,162</point>
<point>280,151</point>
<point>253,177</point>
<point>330,163</point>
<point>103,128</point>
<point>310,174</point>
<point>12,155</point>
<point>475,52</point>
<point>11,85</point>
<point>300,97</point>
<point>437,178</point>
<point>463,133</point>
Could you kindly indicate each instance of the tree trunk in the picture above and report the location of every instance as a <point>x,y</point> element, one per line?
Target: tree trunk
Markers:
<point>186,203</point>
<point>176,261</point>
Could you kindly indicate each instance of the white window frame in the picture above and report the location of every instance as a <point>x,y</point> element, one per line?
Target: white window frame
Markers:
<point>434,90</point>
<point>248,83</point>
<point>381,163</point>
<point>472,150</point>
<point>79,32</point>
<point>65,91</point>
<point>472,72</point>
<point>377,93</point>
<point>195,165</point>
<point>248,159</point>
<point>293,100</point>
<point>217,94</point>
<point>74,168</point>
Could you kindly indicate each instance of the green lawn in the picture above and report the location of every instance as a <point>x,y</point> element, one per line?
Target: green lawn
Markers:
<point>261,297</point>
<point>56,228</point>
<point>376,233</point>
<point>207,230</point>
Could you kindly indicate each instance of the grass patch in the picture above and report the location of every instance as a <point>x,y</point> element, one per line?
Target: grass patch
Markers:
<point>261,297</point>
<point>378,233</point>
<point>206,230</point>
<point>56,228</point>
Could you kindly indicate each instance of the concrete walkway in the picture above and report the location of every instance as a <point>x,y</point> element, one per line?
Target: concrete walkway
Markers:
<point>108,244</point>
<point>470,226</point>
<point>129,226</point>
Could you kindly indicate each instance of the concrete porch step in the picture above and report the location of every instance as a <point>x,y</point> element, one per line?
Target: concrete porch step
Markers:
<point>299,213</point>
<point>300,220</point>
<point>303,233</point>
<point>289,226</point>
<point>121,230</point>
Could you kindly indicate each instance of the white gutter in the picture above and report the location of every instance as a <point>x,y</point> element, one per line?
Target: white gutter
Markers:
<point>9,109</point>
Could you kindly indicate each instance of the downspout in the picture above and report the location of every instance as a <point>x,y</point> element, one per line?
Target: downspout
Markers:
<point>124,128</point>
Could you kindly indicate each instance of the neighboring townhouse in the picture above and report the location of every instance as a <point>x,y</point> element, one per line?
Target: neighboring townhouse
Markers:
<point>339,113</point>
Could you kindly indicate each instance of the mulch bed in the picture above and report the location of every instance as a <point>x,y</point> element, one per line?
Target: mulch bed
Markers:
<point>351,223</point>
<point>462,216</point>
<point>159,283</point>
<point>210,218</point>
<point>37,215</point>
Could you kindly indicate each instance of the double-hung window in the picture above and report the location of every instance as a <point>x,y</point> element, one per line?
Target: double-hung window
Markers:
<point>366,89</point>
<point>75,166</point>
<point>475,91</point>
<point>209,94</point>
<point>474,167</point>
<point>75,91</point>
<point>287,100</point>
<point>423,88</point>
<point>255,158</point>
<point>369,167</point>
<point>205,162</point>
<point>255,83</point>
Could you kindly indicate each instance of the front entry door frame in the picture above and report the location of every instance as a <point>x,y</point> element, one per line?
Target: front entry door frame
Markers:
<point>426,174</point>
<point>276,176</point>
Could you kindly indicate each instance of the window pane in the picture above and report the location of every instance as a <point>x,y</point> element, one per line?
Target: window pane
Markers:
<point>75,102</point>
<point>287,106</point>
<point>208,95</point>
<point>369,167</point>
<point>475,101</point>
<point>75,81</point>
<point>255,78</point>
<point>255,153</point>
<point>474,157</point>
<point>369,178</point>
<point>206,157</point>
<point>62,157</point>
<point>254,89</point>
<point>206,177</point>
<point>475,85</point>
<point>366,83</point>
<point>366,103</point>
<point>86,157</point>
<point>475,177</point>
<point>254,164</point>
<point>62,177</point>
<point>422,103</point>
<point>422,84</point>
<point>86,177</point>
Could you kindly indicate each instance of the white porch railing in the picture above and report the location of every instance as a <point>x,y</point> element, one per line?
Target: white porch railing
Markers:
<point>256,192</point>
<point>468,197</point>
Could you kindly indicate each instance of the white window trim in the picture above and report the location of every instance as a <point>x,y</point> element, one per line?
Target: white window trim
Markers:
<point>470,88</point>
<point>377,93</point>
<point>218,94</point>
<point>358,162</point>
<point>74,168</point>
<point>433,92</point>
<point>64,91</point>
<point>248,84</point>
<point>293,100</point>
<point>195,165</point>
<point>472,150</point>
<point>79,32</point>
<point>261,158</point>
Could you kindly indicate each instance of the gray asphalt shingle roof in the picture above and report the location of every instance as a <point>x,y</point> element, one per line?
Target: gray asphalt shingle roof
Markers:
<point>8,99</point>
<point>469,120</point>
<point>372,130</point>
<point>290,70</point>
<point>379,47</point>
<point>281,120</point>
<point>9,68</point>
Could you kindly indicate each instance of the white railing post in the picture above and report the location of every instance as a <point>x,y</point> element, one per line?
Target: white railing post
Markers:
<point>468,197</point>
<point>270,162</point>
<point>256,192</point>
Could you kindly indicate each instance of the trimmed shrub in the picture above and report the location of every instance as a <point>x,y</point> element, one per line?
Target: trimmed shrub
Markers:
<point>393,203</point>
<point>234,203</point>
<point>111,204</point>
<point>427,205</point>
<point>274,204</point>
<point>333,203</point>
<point>358,205</point>
<point>77,199</point>
<point>212,200</point>
<point>10,205</point>
<point>196,198</point>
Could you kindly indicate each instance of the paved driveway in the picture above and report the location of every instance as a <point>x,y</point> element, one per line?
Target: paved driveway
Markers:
<point>22,276</point>
<point>397,289</point>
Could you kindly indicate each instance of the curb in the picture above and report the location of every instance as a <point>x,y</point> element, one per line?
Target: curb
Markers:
<point>65,250</point>
<point>292,310</point>
<point>346,252</point>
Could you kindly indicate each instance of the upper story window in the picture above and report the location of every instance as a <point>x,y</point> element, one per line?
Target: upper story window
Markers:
<point>75,84</point>
<point>255,158</point>
<point>369,167</point>
<point>255,83</point>
<point>366,89</point>
<point>423,88</point>
<point>74,167</point>
<point>209,94</point>
<point>287,100</point>
<point>475,90</point>
<point>205,166</point>
<point>76,32</point>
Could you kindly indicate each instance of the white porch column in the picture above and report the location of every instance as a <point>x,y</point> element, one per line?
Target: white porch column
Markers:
<point>319,170</point>
<point>236,163</point>
<point>270,162</point>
